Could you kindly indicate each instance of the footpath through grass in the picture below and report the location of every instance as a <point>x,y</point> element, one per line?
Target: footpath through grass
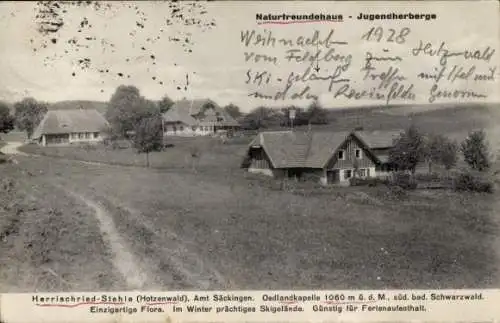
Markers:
<point>49,241</point>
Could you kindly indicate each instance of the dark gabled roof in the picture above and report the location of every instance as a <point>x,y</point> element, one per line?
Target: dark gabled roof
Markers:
<point>323,146</point>
<point>70,120</point>
<point>375,140</point>
<point>379,139</point>
<point>296,149</point>
<point>192,107</point>
<point>288,149</point>
<point>188,112</point>
<point>101,107</point>
<point>178,115</point>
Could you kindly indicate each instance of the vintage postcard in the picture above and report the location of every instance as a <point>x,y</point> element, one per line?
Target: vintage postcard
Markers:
<point>249,161</point>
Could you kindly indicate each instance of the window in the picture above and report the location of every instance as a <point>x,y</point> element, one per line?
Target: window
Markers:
<point>359,153</point>
<point>80,135</point>
<point>96,135</point>
<point>181,128</point>
<point>341,155</point>
<point>194,128</point>
<point>347,173</point>
<point>362,172</point>
<point>87,135</point>
<point>174,128</point>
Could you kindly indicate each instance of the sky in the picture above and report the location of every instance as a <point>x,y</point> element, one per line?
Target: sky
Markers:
<point>99,48</point>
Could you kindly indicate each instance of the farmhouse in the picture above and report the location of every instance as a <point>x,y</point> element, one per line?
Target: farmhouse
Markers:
<point>196,118</point>
<point>62,127</point>
<point>329,157</point>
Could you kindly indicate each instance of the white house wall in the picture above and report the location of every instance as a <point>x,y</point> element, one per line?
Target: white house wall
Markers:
<point>188,131</point>
<point>370,173</point>
<point>75,138</point>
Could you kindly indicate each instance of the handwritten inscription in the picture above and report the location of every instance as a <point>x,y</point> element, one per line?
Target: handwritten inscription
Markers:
<point>316,63</point>
<point>267,39</point>
<point>444,53</point>
<point>377,34</point>
<point>300,55</point>
<point>257,58</point>
<point>389,83</point>
<point>463,69</point>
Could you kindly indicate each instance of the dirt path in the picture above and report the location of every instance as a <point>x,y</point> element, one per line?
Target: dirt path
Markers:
<point>123,260</point>
<point>11,148</point>
<point>194,271</point>
<point>169,262</point>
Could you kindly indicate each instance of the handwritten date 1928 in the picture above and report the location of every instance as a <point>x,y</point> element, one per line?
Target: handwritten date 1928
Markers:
<point>392,36</point>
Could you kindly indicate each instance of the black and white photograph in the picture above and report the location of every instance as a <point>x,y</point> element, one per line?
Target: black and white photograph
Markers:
<point>248,145</point>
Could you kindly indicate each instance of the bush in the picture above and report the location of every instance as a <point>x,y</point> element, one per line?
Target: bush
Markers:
<point>371,181</point>
<point>403,180</point>
<point>397,193</point>
<point>309,177</point>
<point>428,177</point>
<point>472,183</point>
<point>118,144</point>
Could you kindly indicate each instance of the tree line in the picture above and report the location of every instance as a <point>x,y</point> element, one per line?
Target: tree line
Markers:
<point>27,115</point>
<point>414,147</point>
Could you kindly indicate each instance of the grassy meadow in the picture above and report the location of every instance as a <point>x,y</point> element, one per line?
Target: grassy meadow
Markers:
<point>240,233</point>
<point>185,154</point>
<point>195,217</point>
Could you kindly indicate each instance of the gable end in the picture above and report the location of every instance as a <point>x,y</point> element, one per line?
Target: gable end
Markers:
<point>349,146</point>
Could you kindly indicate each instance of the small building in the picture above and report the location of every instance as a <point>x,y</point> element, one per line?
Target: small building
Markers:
<point>64,127</point>
<point>196,118</point>
<point>329,157</point>
<point>380,143</point>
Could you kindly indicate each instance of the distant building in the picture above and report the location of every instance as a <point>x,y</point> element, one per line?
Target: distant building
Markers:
<point>196,118</point>
<point>331,157</point>
<point>63,127</point>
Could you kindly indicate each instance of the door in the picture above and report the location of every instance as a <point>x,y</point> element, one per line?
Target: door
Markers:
<point>333,176</point>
